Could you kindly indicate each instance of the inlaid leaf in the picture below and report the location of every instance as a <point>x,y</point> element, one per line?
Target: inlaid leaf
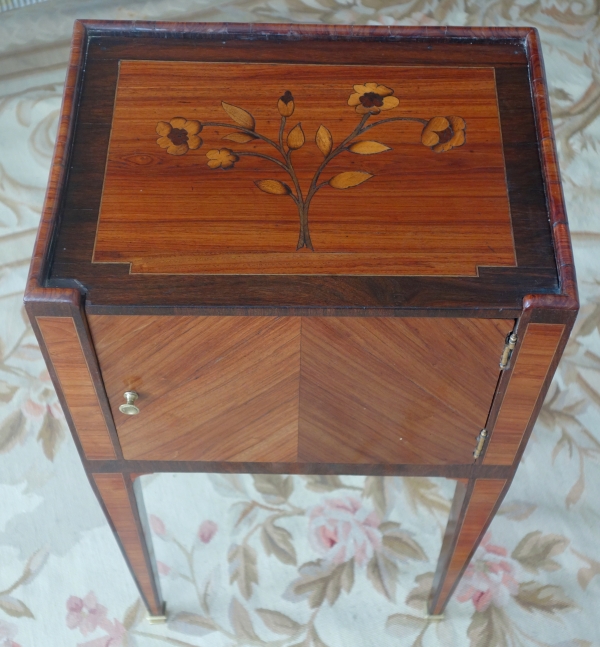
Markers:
<point>278,541</point>
<point>274,487</point>
<point>12,429</point>
<point>547,598</point>
<point>239,115</point>
<point>191,624</point>
<point>241,622</point>
<point>295,138</point>
<point>535,551</point>
<point>324,140</point>
<point>274,187</point>
<point>323,482</point>
<point>279,622</point>
<point>242,562</point>
<point>50,435</point>
<point>14,607</point>
<point>239,138</point>
<point>383,574</point>
<point>368,148</point>
<point>349,179</point>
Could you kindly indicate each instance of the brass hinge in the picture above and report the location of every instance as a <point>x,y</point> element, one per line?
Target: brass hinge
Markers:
<point>480,443</point>
<point>509,346</point>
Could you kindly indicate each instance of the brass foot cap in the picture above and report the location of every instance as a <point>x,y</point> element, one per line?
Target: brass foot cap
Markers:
<point>160,619</point>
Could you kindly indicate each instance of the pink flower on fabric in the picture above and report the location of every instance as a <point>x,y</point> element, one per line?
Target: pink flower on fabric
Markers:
<point>489,578</point>
<point>207,531</point>
<point>8,631</point>
<point>42,398</point>
<point>114,638</point>
<point>85,614</point>
<point>340,529</point>
<point>157,525</point>
<point>163,569</point>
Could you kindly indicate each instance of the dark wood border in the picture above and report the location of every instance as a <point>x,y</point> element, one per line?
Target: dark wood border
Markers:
<point>496,292</point>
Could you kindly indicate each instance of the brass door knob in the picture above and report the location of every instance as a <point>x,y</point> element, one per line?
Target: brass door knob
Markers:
<point>129,408</point>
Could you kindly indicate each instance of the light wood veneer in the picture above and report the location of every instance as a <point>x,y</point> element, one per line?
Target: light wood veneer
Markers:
<point>529,373</point>
<point>64,348</point>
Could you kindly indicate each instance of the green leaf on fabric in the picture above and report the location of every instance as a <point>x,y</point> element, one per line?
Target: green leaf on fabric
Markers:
<point>278,622</point>
<point>535,551</point>
<point>546,598</point>
<point>14,607</point>
<point>323,482</point>
<point>278,541</point>
<point>12,430</point>
<point>274,487</point>
<point>383,574</point>
<point>242,560</point>
<point>241,621</point>
<point>50,435</point>
<point>489,628</point>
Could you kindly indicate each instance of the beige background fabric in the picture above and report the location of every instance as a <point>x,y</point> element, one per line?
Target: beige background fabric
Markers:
<point>295,561</point>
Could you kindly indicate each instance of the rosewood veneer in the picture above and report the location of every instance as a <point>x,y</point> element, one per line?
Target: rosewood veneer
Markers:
<point>303,249</point>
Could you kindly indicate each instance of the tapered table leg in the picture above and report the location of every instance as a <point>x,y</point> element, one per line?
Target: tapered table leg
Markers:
<point>470,515</point>
<point>123,503</point>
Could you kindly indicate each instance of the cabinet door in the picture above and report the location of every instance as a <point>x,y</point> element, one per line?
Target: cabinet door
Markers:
<point>210,388</point>
<point>396,390</point>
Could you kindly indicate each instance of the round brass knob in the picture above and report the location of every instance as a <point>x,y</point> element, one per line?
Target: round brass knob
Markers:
<point>130,409</point>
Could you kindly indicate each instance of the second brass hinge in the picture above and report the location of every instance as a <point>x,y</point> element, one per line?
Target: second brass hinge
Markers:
<point>480,443</point>
<point>509,346</point>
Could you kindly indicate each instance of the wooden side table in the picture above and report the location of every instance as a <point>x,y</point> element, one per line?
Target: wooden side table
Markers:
<point>303,249</point>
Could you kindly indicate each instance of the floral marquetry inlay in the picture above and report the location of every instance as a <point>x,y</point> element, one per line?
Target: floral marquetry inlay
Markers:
<point>180,135</point>
<point>305,169</point>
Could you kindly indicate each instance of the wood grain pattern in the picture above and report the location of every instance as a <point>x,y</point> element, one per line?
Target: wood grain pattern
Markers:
<point>210,388</point>
<point>415,210</point>
<point>481,503</point>
<point>396,390</point>
<point>529,373</point>
<point>125,520</point>
<point>64,349</point>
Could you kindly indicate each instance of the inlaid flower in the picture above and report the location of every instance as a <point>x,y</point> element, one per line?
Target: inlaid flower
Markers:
<point>221,158</point>
<point>372,98</point>
<point>285,105</point>
<point>179,135</point>
<point>444,133</point>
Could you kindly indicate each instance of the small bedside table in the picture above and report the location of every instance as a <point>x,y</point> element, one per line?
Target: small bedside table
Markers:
<point>303,249</point>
